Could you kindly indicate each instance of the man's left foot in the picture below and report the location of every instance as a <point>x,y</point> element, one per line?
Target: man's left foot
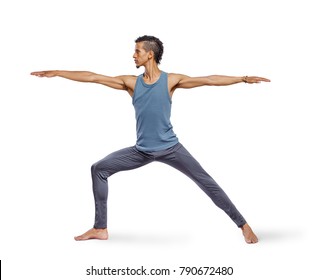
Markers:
<point>248,234</point>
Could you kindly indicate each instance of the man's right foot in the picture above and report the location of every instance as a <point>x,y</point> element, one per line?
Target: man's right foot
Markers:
<point>94,233</point>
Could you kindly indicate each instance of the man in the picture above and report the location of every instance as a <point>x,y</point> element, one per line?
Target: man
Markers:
<point>151,93</point>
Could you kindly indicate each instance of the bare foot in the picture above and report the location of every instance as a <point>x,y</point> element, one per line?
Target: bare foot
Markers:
<point>248,234</point>
<point>93,233</point>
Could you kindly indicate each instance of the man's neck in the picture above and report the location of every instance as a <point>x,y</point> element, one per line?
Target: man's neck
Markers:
<point>151,74</point>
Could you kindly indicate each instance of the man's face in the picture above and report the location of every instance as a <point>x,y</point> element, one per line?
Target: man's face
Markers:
<point>140,55</point>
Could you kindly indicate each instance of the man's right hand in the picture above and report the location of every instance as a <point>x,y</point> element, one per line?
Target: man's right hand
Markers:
<point>47,74</point>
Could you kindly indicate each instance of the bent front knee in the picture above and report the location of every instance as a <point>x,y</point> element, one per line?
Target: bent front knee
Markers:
<point>100,171</point>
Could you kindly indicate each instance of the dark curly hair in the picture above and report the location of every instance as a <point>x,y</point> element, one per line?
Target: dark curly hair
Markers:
<point>152,43</point>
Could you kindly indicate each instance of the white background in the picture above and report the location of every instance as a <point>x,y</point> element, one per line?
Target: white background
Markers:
<point>259,142</point>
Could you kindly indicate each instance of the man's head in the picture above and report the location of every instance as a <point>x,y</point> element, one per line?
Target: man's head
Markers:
<point>151,44</point>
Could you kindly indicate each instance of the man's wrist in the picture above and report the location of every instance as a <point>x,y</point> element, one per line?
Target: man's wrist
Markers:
<point>53,73</point>
<point>244,79</point>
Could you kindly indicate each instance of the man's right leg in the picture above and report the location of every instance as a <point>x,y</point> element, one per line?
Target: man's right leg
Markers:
<point>125,159</point>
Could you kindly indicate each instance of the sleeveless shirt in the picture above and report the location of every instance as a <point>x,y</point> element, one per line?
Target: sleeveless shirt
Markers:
<point>152,104</point>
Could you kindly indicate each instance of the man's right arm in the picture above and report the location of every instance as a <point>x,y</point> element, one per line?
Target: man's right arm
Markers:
<point>119,82</point>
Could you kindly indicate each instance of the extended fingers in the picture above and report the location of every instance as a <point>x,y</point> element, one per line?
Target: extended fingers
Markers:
<point>263,79</point>
<point>42,74</point>
<point>257,79</point>
<point>38,74</point>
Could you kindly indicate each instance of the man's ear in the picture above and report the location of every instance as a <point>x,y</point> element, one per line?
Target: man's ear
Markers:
<point>151,54</point>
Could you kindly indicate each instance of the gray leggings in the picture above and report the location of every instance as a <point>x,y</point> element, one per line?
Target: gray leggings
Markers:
<point>177,157</point>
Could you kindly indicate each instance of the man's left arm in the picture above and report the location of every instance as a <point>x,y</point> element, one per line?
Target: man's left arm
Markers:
<point>183,81</point>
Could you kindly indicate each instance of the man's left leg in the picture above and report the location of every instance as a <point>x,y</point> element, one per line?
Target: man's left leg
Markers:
<point>188,165</point>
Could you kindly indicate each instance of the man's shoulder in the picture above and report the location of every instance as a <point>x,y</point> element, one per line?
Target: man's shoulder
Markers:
<point>128,78</point>
<point>133,77</point>
<point>175,77</point>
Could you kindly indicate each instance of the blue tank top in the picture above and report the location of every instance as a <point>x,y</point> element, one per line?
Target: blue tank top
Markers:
<point>152,104</point>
